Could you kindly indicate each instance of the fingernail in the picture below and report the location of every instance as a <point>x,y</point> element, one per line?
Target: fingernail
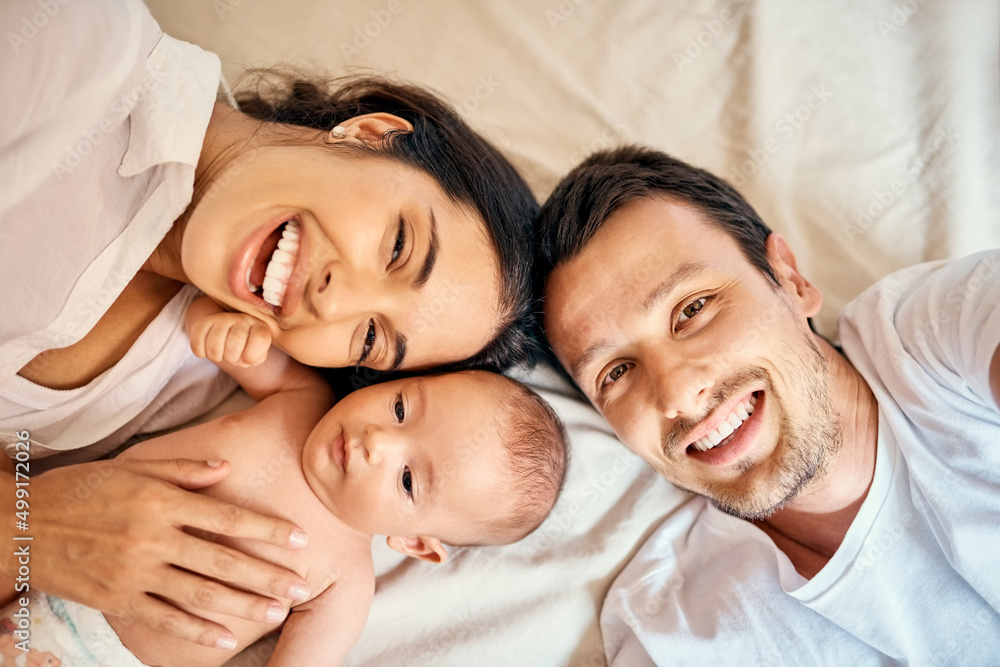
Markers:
<point>298,539</point>
<point>214,464</point>
<point>299,592</point>
<point>226,643</point>
<point>275,613</point>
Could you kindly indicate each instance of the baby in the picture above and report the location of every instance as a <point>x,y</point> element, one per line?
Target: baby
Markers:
<point>466,458</point>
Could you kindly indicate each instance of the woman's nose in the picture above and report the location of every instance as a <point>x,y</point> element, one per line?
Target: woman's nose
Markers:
<point>340,291</point>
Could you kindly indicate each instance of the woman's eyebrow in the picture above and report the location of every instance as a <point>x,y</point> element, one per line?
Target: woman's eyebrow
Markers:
<point>431,258</point>
<point>400,353</point>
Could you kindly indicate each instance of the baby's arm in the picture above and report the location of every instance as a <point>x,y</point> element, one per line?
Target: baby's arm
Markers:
<point>323,630</point>
<point>221,336</point>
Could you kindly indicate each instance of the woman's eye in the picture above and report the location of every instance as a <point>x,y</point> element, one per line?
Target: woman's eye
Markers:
<point>692,309</point>
<point>397,250</point>
<point>399,409</point>
<point>369,342</point>
<point>407,482</point>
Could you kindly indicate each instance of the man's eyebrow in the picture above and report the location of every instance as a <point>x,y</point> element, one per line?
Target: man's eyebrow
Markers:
<point>400,353</point>
<point>432,251</point>
<point>683,273</point>
<point>592,352</point>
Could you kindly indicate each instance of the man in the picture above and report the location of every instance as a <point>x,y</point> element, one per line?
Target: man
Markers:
<point>851,510</point>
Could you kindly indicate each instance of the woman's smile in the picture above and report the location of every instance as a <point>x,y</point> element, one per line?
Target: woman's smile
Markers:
<point>270,269</point>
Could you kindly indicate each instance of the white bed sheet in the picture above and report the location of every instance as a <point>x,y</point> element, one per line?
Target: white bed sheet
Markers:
<point>865,132</point>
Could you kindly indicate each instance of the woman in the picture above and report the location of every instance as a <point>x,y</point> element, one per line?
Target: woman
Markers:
<point>406,246</point>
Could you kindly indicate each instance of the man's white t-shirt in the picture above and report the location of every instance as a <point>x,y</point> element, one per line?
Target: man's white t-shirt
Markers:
<point>100,132</point>
<point>917,577</point>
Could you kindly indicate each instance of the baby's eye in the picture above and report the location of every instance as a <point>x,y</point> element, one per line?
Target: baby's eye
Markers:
<point>407,482</point>
<point>692,309</point>
<point>399,409</point>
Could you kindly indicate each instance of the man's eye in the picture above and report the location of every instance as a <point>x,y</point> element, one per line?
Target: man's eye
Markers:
<point>407,482</point>
<point>397,250</point>
<point>692,309</point>
<point>615,374</point>
<point>399,409</point>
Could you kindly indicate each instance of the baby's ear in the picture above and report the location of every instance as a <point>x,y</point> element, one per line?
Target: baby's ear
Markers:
<point>429,549</point>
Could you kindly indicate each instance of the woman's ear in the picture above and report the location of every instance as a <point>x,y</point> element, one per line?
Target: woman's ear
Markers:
<point>371,127</point>
<point>429,549</point>
<point>805,295</point>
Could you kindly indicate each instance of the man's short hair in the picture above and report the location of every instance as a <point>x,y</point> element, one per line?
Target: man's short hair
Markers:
<point>608,180</point>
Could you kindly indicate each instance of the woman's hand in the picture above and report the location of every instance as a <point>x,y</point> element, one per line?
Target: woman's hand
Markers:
<point>109,535</point>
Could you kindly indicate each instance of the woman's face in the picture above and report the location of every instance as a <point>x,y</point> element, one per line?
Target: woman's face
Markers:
<point>376,265</point>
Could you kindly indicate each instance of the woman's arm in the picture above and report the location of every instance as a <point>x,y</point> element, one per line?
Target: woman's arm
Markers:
<point>110,535</point>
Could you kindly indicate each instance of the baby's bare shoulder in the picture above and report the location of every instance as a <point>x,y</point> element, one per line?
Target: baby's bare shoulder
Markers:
<point>220,437</point>
<point>342,565</point>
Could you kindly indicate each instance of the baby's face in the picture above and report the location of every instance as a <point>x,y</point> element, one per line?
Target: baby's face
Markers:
<point>420,456</point>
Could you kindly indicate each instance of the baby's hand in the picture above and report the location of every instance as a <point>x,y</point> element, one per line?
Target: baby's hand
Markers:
<point>235,338</point>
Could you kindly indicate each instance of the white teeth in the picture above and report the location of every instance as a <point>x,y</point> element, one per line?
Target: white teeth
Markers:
<point>272,284</point>
<point>728,426</point>
<point>280,266</point>
<point>278,271</point>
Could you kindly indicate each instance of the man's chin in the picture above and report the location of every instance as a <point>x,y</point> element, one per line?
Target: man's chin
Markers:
<point>750,511</point>
<point>759,504</point>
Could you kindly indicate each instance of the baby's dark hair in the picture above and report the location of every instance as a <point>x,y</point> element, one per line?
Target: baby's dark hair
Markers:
<point>537,454</point>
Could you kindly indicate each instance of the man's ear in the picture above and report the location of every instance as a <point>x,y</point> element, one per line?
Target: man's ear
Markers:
<point>806,295</point>
<point>429,549</point>
<point>372,126</point>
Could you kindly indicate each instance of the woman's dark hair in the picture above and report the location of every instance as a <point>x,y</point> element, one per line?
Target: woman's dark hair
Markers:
<point>470,171</point>
<point>608,180</point>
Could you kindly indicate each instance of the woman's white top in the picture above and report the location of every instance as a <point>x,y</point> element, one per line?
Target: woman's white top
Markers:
<point>100,132</point>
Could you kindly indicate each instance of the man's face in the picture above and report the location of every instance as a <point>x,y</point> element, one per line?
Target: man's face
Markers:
<point>699,362</point>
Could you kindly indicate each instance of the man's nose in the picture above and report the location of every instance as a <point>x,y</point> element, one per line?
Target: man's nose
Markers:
<point>681,385</point>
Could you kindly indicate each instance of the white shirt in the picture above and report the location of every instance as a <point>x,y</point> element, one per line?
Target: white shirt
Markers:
<point>917,577</point>
<point>102,126</point>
